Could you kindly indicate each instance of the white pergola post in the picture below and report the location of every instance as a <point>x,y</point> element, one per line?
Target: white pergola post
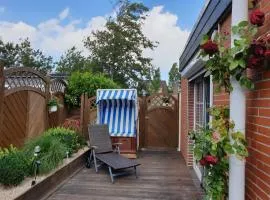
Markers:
<point>237,113</point>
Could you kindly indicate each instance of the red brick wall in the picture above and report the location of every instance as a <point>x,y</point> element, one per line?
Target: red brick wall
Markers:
<point>184,117</point>
<point>258,137</point>
<point>258,128</point>
<point>187,99</point>
<point>190,121</point>
<point>223,98</point>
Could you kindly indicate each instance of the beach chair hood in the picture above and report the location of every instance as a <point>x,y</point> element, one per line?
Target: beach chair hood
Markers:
<point>118,109</point>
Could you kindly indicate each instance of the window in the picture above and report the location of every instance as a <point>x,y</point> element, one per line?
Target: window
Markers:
<point>201,106</point>
<point>202,102</point>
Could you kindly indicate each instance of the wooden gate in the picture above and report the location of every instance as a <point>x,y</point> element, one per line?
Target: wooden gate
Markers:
<point>159,122</point>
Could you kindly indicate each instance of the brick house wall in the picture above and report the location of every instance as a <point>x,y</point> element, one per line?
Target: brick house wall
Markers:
<point>257,121</point>
<point>258,127</point>
<point>187,119</point>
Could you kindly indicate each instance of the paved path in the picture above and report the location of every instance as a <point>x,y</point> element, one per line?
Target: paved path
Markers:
<point>162,175</point>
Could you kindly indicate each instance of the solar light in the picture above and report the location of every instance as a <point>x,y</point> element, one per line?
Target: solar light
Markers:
<point>36,151</point>
<point>36,163</point>
<point>144,92</point>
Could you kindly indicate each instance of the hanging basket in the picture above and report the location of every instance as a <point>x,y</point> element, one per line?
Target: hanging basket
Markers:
<point>53,108</point>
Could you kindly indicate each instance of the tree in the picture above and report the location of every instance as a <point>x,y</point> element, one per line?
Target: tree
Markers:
<point>22,54</point>
<point>73,61</point>
<point>155,82</point>
<point>86,82</point>
<point>174,76</point>
<point>118,49</point>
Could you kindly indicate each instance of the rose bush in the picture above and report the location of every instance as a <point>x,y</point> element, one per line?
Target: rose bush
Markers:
<point>212,148</point>
<point>246,52</point>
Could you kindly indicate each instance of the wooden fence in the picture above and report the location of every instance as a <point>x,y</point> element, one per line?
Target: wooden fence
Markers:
<point>24,94</point>
<point>158,122</point>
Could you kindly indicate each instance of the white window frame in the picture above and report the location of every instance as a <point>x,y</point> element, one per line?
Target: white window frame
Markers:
<point>195,166</point>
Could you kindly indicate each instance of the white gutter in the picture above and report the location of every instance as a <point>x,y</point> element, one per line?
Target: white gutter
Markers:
<point>193,67</point>
<point>237,113</point>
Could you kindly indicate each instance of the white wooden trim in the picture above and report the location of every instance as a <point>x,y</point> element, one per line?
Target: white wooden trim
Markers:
<point>237,112</point>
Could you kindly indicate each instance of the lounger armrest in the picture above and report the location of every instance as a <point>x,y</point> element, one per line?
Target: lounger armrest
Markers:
<point>117,144</point>
<point>93,147</point>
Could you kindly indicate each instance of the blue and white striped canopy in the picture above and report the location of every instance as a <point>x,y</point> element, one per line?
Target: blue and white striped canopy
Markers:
<point>118,109</point>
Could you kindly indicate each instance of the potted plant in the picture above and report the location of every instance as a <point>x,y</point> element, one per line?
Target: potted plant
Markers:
<point>52,104</point>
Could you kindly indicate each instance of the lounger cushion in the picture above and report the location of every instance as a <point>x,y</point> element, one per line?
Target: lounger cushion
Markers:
<point>116,161</point>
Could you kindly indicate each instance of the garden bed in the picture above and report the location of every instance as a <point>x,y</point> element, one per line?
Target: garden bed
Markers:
<point>48,183</point>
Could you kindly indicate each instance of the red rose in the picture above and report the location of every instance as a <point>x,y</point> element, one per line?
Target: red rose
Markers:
<point>258,49</point>
<point>254,62</point>
<point>211,159</point>
<point>203,162</point>
<point>210,47</point>
<point>257,17</point>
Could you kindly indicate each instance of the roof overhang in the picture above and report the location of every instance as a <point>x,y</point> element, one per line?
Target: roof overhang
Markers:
<point>194,68</point>
<point>212,13</point>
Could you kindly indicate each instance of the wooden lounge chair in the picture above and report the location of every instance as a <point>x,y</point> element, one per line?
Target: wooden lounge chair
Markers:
<point>102,152</point>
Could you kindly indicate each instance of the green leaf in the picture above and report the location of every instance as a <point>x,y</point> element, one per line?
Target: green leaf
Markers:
<point>205,38</point>
<point>233,65</point>
<point>235,30</point>
<point>242,63</point>
<point>243,24</point>
<point>197,153</point>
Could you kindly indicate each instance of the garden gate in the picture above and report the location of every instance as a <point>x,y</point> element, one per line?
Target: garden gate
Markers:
<point>159,122</point>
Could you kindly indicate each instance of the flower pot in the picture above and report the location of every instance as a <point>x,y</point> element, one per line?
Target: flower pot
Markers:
<point>53,108</point>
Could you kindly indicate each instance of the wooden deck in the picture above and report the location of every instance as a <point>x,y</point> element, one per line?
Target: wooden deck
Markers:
<point>162,175</point>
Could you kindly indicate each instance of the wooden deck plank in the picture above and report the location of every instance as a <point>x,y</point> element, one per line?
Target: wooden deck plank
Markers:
<point>162,175</point>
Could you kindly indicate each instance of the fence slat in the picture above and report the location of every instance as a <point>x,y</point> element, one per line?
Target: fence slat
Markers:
<point>1,99</point>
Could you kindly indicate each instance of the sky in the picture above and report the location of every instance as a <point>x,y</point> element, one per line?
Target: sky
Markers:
<point>55,26</point>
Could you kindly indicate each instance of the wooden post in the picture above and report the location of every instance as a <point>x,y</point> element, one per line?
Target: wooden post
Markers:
<point>143,123</point>
<point>2,87</point>
<point>47,93</point>
<point>84,115</point>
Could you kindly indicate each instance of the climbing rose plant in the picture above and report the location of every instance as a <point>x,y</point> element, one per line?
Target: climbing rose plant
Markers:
<point>212,148</point>
<point>246,53</point>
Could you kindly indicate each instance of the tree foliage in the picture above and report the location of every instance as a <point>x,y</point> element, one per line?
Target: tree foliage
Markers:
<point>174,75</point>
<point>118,50</point>
<point>73,60</point>
<point>22,54</point>
<point>155,82</point>
<point>80,83</point>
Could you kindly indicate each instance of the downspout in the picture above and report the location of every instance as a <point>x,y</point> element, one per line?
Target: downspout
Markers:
<point>237,112</point>
<point>179,116</point>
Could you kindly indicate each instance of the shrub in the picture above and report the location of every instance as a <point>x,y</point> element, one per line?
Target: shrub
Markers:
<point>13,166</point>
<point>55,143</point>
<point>80,83</point>
<point>51,159</point>
<point>73,124</point>
<point>68,137</point>
<point>51,155</point>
